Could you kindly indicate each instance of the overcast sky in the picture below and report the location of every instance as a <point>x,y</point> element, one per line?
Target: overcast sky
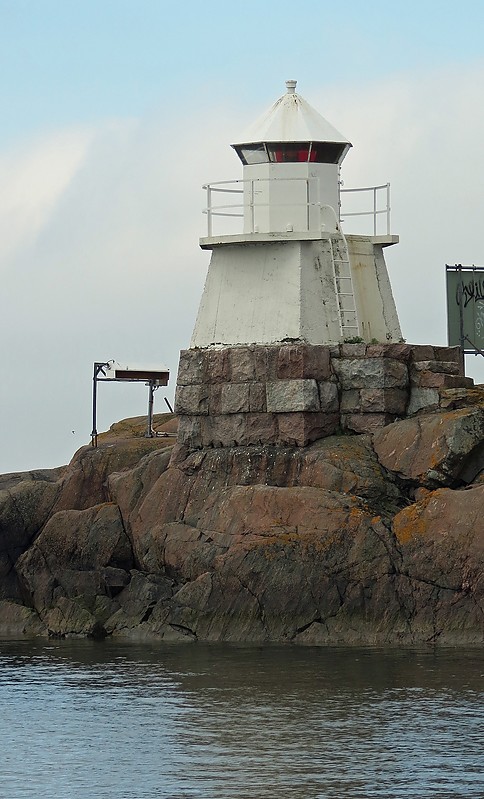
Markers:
<point>114,112</point>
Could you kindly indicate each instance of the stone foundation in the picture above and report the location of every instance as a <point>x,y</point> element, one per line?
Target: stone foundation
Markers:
<point>294,394</point>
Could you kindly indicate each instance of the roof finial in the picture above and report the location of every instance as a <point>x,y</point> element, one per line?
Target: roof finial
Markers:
<point>291,86</point>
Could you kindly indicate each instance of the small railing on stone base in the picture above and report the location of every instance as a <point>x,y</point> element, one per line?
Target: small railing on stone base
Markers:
<point>236,206</point>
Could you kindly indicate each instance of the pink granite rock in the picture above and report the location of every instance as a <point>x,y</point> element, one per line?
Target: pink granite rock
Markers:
<point>300,361</point>
<point>435,448</point>
<point>286,396</point>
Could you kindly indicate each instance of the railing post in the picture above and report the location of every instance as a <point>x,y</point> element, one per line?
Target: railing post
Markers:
<point>308,216</point>
<point>209,210</point>
<point>374,210</point>
<point>388,209</point>
<point>252,210</point>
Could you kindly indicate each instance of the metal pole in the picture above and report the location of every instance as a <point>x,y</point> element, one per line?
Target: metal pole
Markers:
<point>477,350</point>
<point>97,369</point>
<point>374,211</point>
<point>94,403</point>
<point>150,433</point>
<point>461,323</point>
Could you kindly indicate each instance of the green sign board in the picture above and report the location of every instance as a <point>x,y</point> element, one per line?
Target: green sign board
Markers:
<point>465,307</point>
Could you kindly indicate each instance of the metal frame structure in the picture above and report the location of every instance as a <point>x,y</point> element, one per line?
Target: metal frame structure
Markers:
<point>153,378</point>
<point>478,282</point>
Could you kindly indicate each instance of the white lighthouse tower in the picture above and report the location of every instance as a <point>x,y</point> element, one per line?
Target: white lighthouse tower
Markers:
<point>291,275</point>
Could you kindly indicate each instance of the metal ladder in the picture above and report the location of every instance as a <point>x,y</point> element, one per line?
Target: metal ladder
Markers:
<point>343,287</point>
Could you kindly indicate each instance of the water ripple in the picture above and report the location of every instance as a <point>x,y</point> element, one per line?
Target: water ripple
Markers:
<point>108,721</point>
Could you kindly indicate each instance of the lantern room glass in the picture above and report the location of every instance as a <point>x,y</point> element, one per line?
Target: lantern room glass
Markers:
<point>291,152</point>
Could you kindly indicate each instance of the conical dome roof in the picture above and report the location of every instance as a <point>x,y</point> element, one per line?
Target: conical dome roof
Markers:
<point>291,119</point>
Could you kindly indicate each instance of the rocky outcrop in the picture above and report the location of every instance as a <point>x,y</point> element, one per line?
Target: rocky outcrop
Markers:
<point>355,538</point>
<point>436,449</point>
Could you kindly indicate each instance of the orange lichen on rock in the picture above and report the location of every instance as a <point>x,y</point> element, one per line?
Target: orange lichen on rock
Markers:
<point>411,522</point>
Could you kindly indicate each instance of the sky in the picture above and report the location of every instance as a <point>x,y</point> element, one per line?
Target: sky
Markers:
<point>115,112</point>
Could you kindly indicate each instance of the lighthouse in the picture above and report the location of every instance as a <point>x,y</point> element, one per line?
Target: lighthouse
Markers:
<point>297,335</point>
<point>291,274</point>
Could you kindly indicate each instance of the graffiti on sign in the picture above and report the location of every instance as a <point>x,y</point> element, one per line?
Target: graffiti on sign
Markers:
<point>469,291</point>
<point>465,306</point>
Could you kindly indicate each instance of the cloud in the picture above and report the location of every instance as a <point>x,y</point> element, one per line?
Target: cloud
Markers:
<point>99,248</point>
<point>103,262</point>
<point>33,178</point>
<point>422,133</point>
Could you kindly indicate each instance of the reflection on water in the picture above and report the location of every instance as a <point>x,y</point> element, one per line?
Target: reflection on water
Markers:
<point>86,720</point>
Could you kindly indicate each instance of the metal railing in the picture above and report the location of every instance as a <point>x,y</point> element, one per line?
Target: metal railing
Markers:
<point>375,212</point>
<point>220,210</point>
<point>248,205</point>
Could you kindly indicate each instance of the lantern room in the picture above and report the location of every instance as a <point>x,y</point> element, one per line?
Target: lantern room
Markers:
<point>291,158</point>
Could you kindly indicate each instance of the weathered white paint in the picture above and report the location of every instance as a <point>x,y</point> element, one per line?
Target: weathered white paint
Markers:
<point>291,118</point>
<point>376,309</point>
<point>288,196</point>
<point>276,282</point>
<point>267,292</point>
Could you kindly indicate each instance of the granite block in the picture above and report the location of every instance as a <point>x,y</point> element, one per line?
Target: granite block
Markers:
<point>300,361</point>
<point>285,396</point>
<point>421,352</point>
<point>257,397</point>
<point>448,354</point>
<point>398,351</point>
<point>242,364</point>
<point>383,400</point>
<point>265,362</point>
<point>217,366</point>
<point>189,431</point>
<point>223,431</point>
<point>371,373</point>
<point>215,399</point>
<point>260,428</point>
<point>350,400</point>
<point>444,367</point>
<point>301,429</point>
<point>352,350</point>
<point>190,368</point>
<point>191,400</point>
<point>328,396</point>
<point>235,398</point>
<point>422,399</point>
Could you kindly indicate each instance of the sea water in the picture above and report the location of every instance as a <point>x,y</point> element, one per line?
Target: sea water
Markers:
<point>105,720</point>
